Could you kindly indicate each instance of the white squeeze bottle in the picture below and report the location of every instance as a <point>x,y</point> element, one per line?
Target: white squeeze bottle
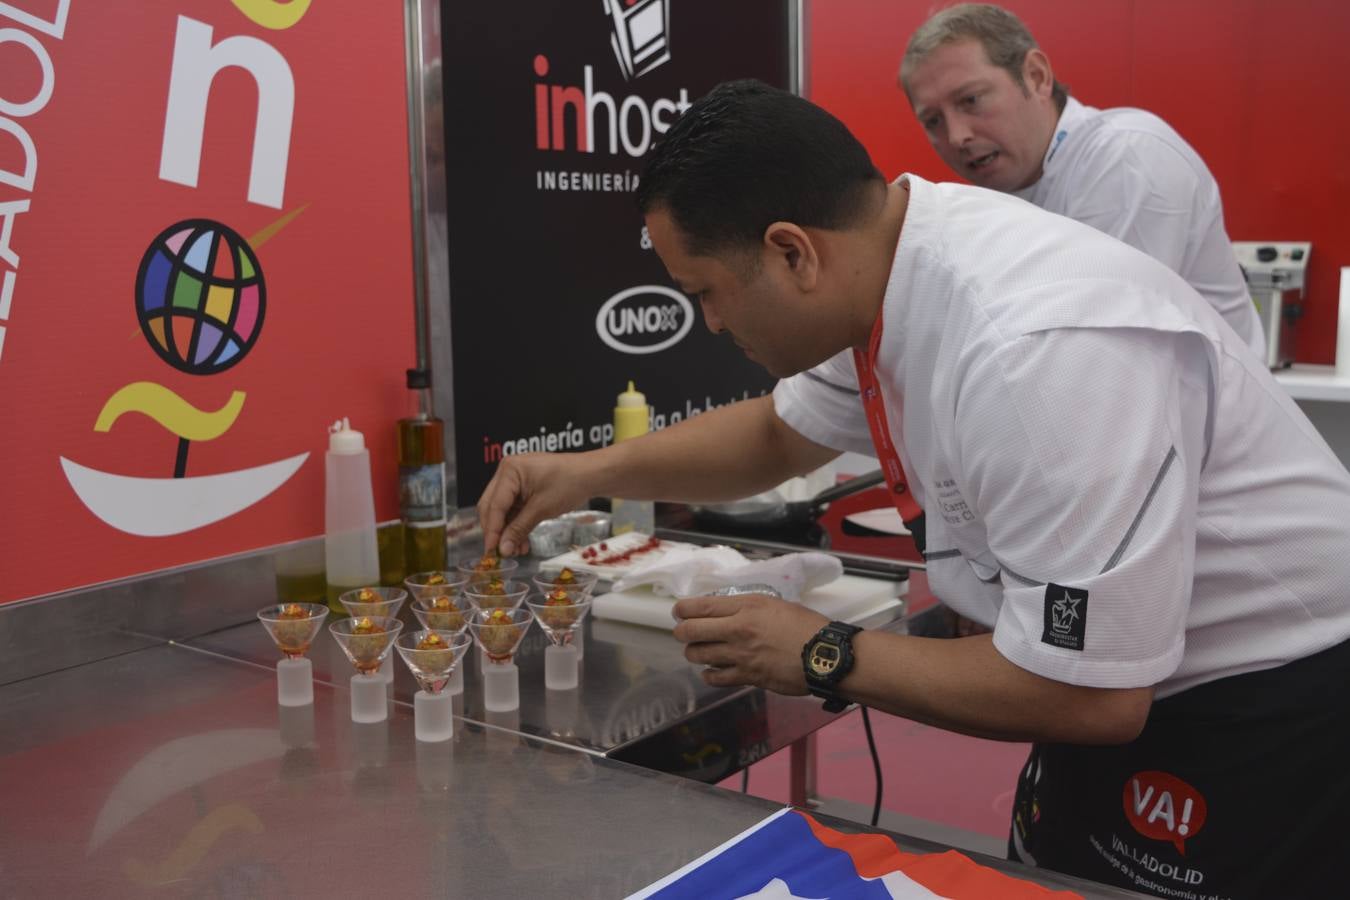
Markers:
<point>351,556</point>
<point>631,419</point>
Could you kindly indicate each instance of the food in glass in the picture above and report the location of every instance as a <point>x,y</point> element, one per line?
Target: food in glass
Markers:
<point>443,614</point>
<point>367,646</point>
<point>560,609</point>
<point>293,626</point>
<point>499,634</point>
<point>442,658</point>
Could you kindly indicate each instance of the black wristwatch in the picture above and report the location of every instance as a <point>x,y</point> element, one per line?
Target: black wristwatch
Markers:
<point>826,659</point>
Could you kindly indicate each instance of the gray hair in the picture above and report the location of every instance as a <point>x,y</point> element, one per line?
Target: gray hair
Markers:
<point>1005,39</point>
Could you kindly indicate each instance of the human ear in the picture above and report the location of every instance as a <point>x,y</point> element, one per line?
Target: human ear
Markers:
<point>790,247</point>
<point>1037,76</point>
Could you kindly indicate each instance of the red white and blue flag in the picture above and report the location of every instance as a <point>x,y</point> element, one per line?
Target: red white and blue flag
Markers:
<point>791,855</point>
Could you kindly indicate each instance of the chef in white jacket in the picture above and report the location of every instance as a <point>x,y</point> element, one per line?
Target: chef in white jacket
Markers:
<point>1152,530</point>
<point>988,101</point>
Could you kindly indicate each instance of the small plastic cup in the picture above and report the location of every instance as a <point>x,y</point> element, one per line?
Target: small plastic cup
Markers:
<point>375,602</point>
<point>293,627</point>
<point>498,633</point>
<point>560,618</point>
<point>433,667</point>
<point>367,651</point>
<point>448,614</point>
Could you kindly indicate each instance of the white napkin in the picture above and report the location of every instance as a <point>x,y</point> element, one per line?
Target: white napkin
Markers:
<point>700,570</point>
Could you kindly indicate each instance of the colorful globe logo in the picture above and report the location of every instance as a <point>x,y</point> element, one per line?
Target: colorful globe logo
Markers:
<point>200,296</point>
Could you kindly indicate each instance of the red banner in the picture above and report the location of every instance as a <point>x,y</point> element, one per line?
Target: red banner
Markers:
<point>205,259</point>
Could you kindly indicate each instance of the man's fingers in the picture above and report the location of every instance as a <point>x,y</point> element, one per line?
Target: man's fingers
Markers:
<point>701,630</point>
<point>493,506</point>
<point>710,654</point>
<point>705,607</point>
<point>728,677</point>
<point>516,534</point>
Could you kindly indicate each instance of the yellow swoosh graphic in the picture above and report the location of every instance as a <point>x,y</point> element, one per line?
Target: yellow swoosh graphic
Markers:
<point>271,14</point>
<point>268,232</point>
<point>194,845</point>
<point>170,411</point>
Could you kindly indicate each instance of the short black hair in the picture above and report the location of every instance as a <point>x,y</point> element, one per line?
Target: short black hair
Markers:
<point>746,155</point>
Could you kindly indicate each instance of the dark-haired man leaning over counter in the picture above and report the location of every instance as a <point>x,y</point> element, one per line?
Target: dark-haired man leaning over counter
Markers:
<point>1153,531</point>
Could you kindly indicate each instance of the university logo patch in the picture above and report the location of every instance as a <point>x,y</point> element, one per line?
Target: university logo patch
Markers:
<point>1065,617</point>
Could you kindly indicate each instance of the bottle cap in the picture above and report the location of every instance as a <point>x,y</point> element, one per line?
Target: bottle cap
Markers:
<point>342,438</point>
<point>632,397</point>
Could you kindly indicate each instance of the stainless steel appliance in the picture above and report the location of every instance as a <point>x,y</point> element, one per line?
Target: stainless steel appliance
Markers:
<point>1275,270</point>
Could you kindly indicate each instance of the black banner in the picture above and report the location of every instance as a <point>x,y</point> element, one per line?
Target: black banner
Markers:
<point>556,298</point>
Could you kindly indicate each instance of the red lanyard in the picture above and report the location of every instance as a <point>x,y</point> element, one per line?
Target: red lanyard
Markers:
<point>875,407</point>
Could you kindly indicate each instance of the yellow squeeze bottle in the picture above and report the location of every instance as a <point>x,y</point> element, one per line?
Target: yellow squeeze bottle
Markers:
<point>632,419</point>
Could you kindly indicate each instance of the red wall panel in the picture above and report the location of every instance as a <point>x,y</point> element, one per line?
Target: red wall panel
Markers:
<point>1257,88</point>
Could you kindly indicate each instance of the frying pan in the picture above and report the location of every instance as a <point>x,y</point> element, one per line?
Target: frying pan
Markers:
<point>775,514</point>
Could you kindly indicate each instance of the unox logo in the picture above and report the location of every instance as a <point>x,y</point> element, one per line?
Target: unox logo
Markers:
<point>645,319</point>
<point>641,39</point>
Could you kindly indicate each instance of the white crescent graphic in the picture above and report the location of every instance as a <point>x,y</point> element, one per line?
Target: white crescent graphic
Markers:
<point>156,507</point>
<point>176,766</point>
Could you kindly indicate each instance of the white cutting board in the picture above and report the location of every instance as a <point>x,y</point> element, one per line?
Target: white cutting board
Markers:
<point>573,559</point>
<point>849,598</point>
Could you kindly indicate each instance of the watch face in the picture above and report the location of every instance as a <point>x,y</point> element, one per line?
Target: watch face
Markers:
<point>824,658</point>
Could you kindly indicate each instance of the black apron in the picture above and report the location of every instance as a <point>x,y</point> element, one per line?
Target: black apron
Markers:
<point>1239,788</point>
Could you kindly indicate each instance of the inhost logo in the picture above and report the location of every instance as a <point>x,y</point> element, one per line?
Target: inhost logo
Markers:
<point>648,318</point>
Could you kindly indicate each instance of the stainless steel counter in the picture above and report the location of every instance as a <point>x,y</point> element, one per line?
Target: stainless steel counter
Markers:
<point>142,750</point>
<point>171,767</point>
<point>173,770</point>
<point>639,700</point>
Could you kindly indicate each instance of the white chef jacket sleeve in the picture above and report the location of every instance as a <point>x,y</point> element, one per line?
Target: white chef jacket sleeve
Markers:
<point>1139,190</point>
<point>1082,450</point>
<point>823,405</point>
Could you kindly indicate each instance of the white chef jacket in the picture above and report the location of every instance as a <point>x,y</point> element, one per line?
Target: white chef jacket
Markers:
<point>1072,415</point>
<point>1128,173</point>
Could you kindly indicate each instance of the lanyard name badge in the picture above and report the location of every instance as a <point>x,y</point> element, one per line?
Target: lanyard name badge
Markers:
<point>875,407</point>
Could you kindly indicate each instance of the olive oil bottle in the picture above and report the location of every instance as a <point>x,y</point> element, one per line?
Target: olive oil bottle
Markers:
<point>421,480</point>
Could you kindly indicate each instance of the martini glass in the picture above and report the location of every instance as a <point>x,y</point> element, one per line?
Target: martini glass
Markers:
<point>450,615</point>
<point>375,602</point>
<point>569,580</point>
<point>367,640</point>
<point>430,585</point>
<point>497,594</point>
<point>293,627</point>
<point>498,633</point>
<point>432,656</point>
<point>482,568</point>
<point>572,582</point>
<point>560,612</point>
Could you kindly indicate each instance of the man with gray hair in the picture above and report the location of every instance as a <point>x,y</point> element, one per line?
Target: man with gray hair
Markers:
<point>989,102</point>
